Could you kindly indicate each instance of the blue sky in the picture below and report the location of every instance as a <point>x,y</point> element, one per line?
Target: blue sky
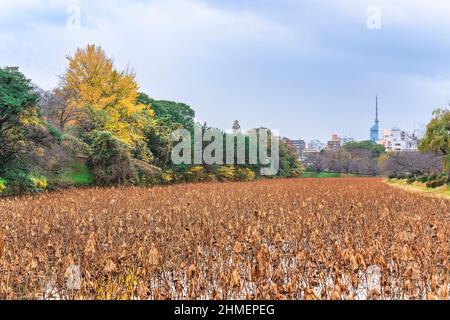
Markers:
<point>307,68</point>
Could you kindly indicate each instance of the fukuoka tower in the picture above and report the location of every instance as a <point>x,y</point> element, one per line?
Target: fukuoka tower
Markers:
<point>375,130</point>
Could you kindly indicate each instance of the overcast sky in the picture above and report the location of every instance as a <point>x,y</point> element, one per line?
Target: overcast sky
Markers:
<point>308,68</point>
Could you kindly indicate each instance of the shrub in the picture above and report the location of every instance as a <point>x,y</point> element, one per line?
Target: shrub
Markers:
<point>244,174</point>
<point>195,174</point>
<point>55,133</point>
<point>76,146</point>
<point>40,182</point>
<point>225,173</point>
<point>141,152</point>
<point>20,181</point>
<point>411,180</point>
<point>146,173</point>
<point>2,185</point>
<point>296,172</point>
<point>167,177</point>
<point>401,176</point>
<point>436,183</point>
<point>109,159</point>
<point>441,175</point>
<point>198,174</point>
<point>423,179</point>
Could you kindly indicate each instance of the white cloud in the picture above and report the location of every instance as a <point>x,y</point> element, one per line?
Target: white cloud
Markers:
<point>155,37</point>
<point>396,12</point>
<point>291,57</point>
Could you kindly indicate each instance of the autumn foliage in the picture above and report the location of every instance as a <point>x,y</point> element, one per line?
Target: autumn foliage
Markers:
<point>270,239</point>
<point>91,81</point>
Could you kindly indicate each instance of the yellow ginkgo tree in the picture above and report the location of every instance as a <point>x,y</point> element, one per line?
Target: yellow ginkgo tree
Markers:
<point>92,84</point>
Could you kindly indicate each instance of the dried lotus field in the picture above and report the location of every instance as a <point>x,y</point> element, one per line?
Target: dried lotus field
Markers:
<point>344,238</point>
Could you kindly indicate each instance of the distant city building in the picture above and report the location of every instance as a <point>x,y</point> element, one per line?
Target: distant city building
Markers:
<point>335,143</point>
<point>300,145</point>
<point>375,130</point>
<point>399,140</point>
<point>306,150</point>
<point>316,145</point>
<point>236,127</point>
<point>386,141</point>
<point>346,140</point>
<point>412,144</point>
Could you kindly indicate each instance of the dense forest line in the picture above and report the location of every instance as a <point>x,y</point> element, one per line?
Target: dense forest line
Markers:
<point>370,159</point>
<point>97,128</point>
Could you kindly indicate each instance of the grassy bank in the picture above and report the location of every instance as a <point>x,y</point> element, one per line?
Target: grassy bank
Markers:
<point>326,175</point>
<point>443,191</point>
<point>76,174</point>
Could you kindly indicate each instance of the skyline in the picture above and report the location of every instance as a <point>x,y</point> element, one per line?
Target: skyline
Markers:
<point>306,68</point>
<point>379,131</point>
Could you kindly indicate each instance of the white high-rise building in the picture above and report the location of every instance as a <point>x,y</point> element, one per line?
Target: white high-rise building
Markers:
<point>399,140</point>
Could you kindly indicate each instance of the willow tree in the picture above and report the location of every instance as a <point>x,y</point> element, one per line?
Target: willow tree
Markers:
<point>437,137</point>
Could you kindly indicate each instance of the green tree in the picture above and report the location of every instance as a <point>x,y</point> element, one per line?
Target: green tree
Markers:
<point>437,137</point>
<point>110,159</point>
<point>170,113</point>
<point>159,144</point>
<point>170,116</point>
<point>290,165</point>
<point>22,132</point>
